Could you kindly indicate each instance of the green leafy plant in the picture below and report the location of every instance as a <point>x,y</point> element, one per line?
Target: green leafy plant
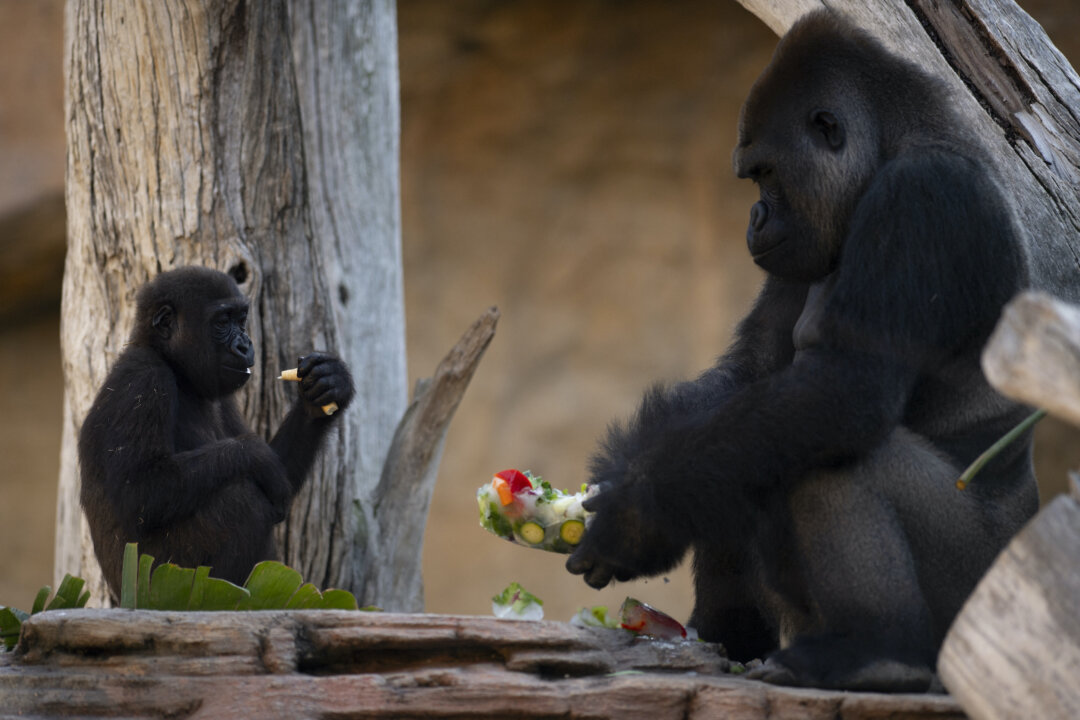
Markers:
<point>69,595</point>
<point>270,586</point>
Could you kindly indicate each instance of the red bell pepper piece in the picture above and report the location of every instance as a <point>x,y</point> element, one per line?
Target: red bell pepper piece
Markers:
<point>518,480</point>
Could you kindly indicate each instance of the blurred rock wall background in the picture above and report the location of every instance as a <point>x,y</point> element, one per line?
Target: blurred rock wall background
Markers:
<point>567,161</point>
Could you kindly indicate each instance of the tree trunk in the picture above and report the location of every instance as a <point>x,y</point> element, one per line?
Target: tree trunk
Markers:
<point>259,138</point>
<point>1015,86</point>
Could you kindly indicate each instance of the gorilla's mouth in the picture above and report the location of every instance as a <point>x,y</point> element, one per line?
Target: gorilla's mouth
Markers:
<point>760,249</point>
<point>760,242</point>
<point>245,371</point>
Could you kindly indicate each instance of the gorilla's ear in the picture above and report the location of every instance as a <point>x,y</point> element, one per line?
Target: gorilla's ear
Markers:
<point>830,128</point>
<point>163,321</point>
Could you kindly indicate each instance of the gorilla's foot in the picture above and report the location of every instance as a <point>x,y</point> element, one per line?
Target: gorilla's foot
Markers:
<point>837,668</point>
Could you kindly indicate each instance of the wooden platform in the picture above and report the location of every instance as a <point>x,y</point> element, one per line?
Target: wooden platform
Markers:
<point>330,664</point>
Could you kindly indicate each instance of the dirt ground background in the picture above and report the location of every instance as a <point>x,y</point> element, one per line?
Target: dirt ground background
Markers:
<point>567,161</point>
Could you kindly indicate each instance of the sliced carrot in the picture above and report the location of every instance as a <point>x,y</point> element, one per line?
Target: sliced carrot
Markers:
<point>503,488</point>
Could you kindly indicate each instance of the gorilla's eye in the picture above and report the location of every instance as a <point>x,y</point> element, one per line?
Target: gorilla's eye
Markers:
<point>829,126</point>
<point>221,328</point>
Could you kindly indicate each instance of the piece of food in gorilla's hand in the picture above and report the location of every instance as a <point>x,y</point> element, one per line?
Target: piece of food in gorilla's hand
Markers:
<point>292,375</point>
<point>525,509</point>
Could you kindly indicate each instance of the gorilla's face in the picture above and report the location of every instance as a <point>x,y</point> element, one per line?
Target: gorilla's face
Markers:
<point>811,155</point>
<point>199,327</point>
<point>225,331</point>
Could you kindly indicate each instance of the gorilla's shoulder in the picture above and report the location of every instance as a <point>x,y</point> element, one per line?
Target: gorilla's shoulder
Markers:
<point>927,173</point>
<point>139,371</point>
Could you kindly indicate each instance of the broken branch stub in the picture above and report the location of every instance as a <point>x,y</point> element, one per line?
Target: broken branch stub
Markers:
<point>403,495</point>
<point>1034,354</point>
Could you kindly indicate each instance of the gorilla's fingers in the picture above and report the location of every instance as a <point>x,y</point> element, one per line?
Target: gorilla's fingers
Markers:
<point>324,398</point>
<point>580,562</point>
<point>774,673</point>
<point>310,361</point>
<point>585,562</point>
<point>604,497</point>
<point>599,576</point>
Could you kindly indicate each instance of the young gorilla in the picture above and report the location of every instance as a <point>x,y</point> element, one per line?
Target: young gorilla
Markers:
<point>812,469</point>
<point>166,458</point>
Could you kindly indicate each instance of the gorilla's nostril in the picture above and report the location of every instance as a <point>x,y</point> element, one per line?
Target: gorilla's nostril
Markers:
<point>759,214</point>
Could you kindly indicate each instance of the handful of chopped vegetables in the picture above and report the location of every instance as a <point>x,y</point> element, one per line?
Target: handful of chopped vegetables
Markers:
<point>522,508</point>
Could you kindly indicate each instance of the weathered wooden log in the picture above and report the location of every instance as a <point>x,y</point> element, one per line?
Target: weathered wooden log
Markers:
<point>1034,354</point>
<point>308,664</point>
<point>1014,650</point>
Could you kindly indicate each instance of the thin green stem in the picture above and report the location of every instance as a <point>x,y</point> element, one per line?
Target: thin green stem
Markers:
<point>994,449</point>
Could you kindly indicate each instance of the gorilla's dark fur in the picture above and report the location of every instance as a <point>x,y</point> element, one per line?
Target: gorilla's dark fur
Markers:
<point>812,469</point>
<point>168,462</point>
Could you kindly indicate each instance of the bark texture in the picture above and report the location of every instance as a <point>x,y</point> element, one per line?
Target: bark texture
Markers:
<point>259,138</point>
<point>1014,650</point>
<point>1034,355</point>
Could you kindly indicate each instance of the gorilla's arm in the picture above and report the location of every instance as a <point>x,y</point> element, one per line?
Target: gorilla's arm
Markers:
<point>762,346</point>
<point>132,430</point>
<point>921,279</point>
<point>324,379</point>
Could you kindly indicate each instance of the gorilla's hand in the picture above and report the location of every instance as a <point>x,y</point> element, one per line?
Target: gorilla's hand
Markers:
<point>268,474</point>
<point>324,379</point>
<point>599,555</point>
<point>628,536</point>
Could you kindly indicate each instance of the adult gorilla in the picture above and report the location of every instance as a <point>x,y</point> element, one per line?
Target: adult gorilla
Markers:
<point>812,469</point>
<point>168,462</point>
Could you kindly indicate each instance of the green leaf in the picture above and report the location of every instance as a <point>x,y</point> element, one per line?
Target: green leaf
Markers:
<point>142,590</point>
<point>198,587</point>
<point>221,595</point>
<point>39,601</point>
<point>130,576</point>
<point>306,598</point>
<point>11,621</point>
<point>271,584</point>
<point>337,600</point>
<point>67,596</point>
<point>170,587</point>
<point>83,599</point>
<point>209,593</point>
